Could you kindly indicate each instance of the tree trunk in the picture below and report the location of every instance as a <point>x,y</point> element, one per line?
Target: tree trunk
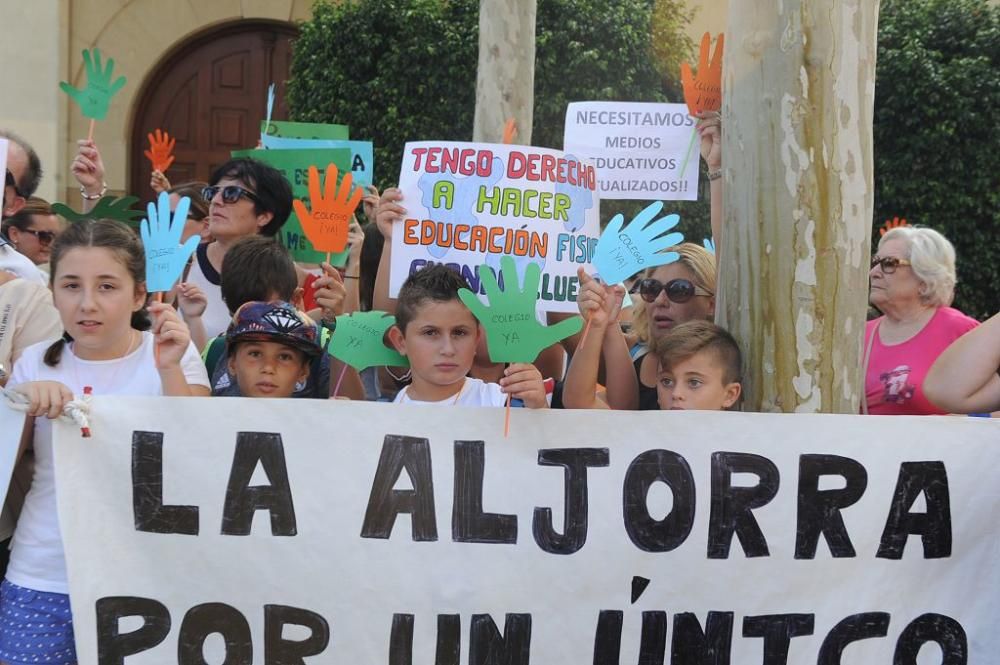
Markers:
<point>505,82</point>
<point>799,82</point>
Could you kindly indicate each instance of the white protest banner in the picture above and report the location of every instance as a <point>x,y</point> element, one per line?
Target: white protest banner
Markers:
<point>469,204</point>
<point>11,427</point>
<point>301,531</point>
<point>642,150</point>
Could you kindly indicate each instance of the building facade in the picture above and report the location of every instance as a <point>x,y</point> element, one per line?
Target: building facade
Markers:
<point>196,68</point>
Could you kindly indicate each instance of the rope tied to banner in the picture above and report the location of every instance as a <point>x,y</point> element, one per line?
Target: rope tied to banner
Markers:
<point>76,410</point>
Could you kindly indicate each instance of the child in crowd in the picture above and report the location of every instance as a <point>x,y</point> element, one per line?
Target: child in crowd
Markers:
<point>98,284</point>
<point>699,368</point>
<point>391,213</point>
<point>270,347</point>
<point>697,363</point>
<point>260,269</point>
<point>665,296</point>
<point>438,335</point>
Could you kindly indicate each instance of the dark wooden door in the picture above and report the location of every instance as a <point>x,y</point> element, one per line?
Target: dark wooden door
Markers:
<point>211,96</point>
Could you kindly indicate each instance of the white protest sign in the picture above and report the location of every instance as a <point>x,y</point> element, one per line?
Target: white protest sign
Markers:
<point>642,150</point>
<point>470,204</point>
<point>290,531</point>
<point>11,427</point>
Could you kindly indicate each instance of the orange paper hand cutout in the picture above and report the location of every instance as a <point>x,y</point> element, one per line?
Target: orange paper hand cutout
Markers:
<point>161,148</point>
<point>509,131</point>
<point>891,224</point>
<point>326,226</point>
<point>703,91</point>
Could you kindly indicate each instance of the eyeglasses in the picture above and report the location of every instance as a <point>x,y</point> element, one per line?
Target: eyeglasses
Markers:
<point>230,193</point>
<point>44,237</point>
<point>888,263</point>
<point>678,290</point>
<point>9,181</point>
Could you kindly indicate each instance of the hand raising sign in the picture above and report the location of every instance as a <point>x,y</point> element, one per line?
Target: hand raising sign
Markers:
<point>891,224</point>
<point>327,225</point>
<point>509,131</point>
<point>513,333</point>
<point>622,252</point>
<point>703,91</point>
<point>359,341</point>
<point>95,98</point>
<point>161,149</point>
<point>161,238</point>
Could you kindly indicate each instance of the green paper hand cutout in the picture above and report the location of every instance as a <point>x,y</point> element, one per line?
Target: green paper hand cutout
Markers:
<point>108,207</point>
<point>95,98</point>
<point>513,334</point>
<point>358,341</point>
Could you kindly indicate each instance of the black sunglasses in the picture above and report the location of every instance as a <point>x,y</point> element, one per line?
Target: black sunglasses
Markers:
<point>44,237</point>
<point>230,193</point>
<point>678,290</point>
<point>10,182</point>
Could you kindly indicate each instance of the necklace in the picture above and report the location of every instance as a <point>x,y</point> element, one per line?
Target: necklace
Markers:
<point>458,395</point>
<point>89,390</point>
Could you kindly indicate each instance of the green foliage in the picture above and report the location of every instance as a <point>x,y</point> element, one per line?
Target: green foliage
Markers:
<point>937,110</point>
<point>393,70</point>
<point>612,50</point>
<point>399,70</point>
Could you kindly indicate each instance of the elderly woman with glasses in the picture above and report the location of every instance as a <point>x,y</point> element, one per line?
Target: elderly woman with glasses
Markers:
<point>912,284</point>
<point>665,297</point>
<point>33,229</point>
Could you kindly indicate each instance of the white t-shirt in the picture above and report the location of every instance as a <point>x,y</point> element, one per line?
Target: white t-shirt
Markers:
<point>14,262</point>
<point>37,561</point>
<point>475,392</point>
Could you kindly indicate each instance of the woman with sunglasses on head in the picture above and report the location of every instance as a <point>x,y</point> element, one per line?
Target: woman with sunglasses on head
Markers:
<point>912,284</point>
<point>245,197</point>
<point>33,229</point>
<point>664,297</point>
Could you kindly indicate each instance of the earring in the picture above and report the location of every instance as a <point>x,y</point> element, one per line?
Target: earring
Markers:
<point>300,386</point>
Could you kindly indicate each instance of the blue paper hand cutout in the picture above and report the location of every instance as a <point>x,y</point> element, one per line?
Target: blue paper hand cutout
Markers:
<point>621,253</point>
<point>709,244</point>
<point>161,238</point>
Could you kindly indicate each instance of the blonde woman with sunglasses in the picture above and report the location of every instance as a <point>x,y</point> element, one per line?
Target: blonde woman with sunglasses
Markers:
<point>912,283</point>
<point>664,297</point>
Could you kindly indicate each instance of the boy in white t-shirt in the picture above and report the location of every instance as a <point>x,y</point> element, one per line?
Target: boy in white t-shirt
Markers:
<point>438,335</point>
